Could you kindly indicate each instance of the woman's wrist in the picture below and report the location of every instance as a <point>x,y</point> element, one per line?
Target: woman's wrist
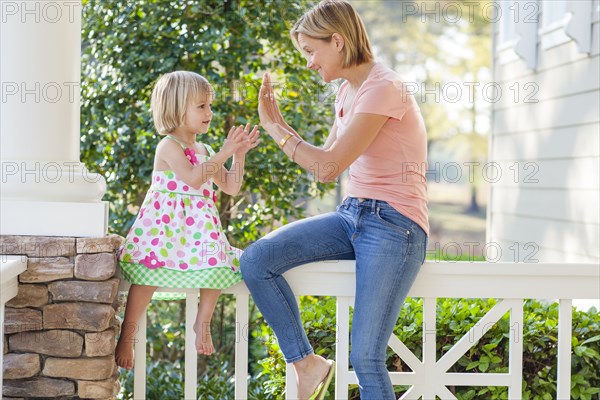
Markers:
<point>295,148</point>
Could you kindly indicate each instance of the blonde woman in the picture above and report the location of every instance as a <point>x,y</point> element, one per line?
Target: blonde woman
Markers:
<point>379,135</point>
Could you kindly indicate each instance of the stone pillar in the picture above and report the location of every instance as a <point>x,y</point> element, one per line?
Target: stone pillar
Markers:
<point>45,189</point>
<point>60,329</point>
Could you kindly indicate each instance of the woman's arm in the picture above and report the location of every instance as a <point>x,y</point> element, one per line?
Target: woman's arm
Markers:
<point>337,154</point>
<point>335,157</point>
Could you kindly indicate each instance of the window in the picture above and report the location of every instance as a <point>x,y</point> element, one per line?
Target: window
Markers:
<point>508,22</point>
<point>555,16</point>
<point>553,12</point>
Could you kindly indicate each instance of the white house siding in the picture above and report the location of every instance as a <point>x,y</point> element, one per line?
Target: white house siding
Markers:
<point>545,205</point>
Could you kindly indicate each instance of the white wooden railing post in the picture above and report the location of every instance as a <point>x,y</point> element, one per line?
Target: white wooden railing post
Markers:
<point>191,355</point>
<point>429,351</point>
<point>565,317</point>
<point>10,269</point>
<point>139,350</point>
<point>291,389</point>
<point>515,350</point>
<point>2,353</point>
<point>342,346</point>
<point>242,334</point>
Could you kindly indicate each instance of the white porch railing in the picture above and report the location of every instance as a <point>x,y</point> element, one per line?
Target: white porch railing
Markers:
<point>10,268</point>
<point>429,377</point>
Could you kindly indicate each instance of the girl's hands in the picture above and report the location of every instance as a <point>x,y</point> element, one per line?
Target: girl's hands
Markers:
<point>250,140</point>
<point>240,140</point>
<point>234,140</point>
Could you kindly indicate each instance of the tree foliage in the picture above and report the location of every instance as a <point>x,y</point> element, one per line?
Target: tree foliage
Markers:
<point>127,45</point>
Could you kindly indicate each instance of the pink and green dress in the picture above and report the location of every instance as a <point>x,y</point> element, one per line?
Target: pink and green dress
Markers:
<point>177,240</point>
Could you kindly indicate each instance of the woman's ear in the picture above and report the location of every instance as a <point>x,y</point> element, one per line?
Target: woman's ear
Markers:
<point>338,40</point>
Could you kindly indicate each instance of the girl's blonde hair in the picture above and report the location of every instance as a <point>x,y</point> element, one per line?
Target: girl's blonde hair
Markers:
<point>171,95</point>
<point>336,16</point>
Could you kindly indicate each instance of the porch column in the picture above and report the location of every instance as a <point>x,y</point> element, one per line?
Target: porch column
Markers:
<point>45,189</point>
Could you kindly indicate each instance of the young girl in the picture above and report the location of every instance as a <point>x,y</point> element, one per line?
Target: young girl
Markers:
<point>177,239</point>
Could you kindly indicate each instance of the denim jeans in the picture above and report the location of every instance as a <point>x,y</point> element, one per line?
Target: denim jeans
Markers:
<point>389,249</point>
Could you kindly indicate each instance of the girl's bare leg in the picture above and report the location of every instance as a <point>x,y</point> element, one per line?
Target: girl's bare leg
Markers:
<point>138,299</point>
<point>208,301</point>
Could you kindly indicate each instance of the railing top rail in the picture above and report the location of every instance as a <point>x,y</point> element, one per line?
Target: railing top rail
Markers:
<point>12,266</point>
<point>456,280</point>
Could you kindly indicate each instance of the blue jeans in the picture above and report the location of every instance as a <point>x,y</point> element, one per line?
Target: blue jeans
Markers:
<point>388,248</point>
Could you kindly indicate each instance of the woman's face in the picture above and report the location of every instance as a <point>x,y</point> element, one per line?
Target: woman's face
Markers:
<point>321,56</point>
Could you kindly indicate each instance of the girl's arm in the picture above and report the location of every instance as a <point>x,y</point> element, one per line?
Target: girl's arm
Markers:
<point>173,155</point>
<point>230,181</point>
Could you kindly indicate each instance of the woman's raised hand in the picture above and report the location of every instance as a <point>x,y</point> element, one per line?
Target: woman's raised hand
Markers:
<point>268,109</point>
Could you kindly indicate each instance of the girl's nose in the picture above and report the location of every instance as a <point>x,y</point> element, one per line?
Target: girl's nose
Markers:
<point>309,64</point>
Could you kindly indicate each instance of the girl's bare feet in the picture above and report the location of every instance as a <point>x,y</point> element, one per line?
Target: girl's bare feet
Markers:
<point>137,301</point>
<point>124,353</point>
<point>204,343</point>
<point>310,372</point>
<point>208,301</point>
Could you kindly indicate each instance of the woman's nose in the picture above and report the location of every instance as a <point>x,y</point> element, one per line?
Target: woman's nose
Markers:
<point>309,64</point>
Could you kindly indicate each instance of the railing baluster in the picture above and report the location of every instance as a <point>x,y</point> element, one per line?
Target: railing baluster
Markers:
<point>191,355</point>
<point>139,371</point>
<point>291,391</point>
<point>2,354</point>
<point>565,317</point>
<point>429,355</point>
<point>10,269</point>
<point>342,347</point>
<point>515,350</point>
<point>241,346</point>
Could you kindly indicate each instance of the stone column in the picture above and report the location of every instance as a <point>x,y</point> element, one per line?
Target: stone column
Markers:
<point>45,189</point>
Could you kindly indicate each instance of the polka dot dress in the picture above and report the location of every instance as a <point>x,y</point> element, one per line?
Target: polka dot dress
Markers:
<point>177,239</point>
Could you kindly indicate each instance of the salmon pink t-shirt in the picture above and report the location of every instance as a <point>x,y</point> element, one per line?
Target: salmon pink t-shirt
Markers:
<point>393,167</point>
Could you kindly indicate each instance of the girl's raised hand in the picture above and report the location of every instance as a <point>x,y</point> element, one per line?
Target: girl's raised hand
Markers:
<point>235,140</point>
<point>250,139</point>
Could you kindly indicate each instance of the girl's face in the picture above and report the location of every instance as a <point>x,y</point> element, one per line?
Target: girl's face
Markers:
<point>199,114</point>
<point>324,57</point>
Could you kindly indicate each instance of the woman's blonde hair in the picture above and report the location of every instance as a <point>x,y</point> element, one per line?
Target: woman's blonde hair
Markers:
<point>171,95</point>
<point>336,16</point>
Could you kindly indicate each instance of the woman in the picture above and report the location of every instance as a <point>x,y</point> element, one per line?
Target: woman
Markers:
<point>382,223</point>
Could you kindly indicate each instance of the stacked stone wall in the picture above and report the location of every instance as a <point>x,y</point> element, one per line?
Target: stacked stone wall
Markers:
<point>60,329</point>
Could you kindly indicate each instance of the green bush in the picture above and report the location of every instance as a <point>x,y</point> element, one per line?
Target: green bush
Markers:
<point>454,319</point>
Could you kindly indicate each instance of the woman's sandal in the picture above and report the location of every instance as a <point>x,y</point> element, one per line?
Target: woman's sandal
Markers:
<point>321,390</point>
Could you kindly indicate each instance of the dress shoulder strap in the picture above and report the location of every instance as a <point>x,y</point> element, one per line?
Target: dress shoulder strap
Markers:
<point>209,149</point>
<point>177,140</point>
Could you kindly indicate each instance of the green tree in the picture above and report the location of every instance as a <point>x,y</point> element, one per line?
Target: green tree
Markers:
<point>127,45</point>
